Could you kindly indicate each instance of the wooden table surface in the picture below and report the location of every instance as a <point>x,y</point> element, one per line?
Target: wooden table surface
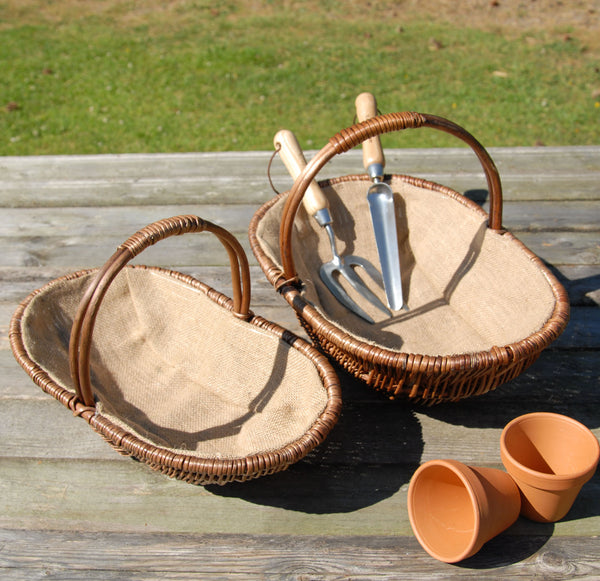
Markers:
<point>72,508</point>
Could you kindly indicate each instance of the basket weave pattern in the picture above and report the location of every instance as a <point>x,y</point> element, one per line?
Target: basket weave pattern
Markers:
<point>204,422</point>
<point>483,306</point>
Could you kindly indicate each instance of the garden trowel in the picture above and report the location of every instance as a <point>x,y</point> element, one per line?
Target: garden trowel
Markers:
<point>381,204</point>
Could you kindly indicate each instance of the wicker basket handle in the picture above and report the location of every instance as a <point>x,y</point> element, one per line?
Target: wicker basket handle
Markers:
<point>83,325</point>
<point>349,138</point>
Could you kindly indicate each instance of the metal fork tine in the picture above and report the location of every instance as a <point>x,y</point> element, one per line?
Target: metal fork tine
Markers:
<point>338,291</point>
<point>359,285</point>
<point>353,260</point>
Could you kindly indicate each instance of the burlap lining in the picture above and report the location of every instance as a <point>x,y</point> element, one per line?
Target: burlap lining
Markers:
<point>177,369</point>
<point>468,288</point>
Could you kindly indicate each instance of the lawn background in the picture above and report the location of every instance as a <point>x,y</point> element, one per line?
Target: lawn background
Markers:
<point>119,76</point>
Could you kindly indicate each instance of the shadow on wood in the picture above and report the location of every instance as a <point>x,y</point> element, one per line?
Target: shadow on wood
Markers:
<point>373,450</point>
<point>559,381</point>
<point>508,549</point>
<point>478,196</point>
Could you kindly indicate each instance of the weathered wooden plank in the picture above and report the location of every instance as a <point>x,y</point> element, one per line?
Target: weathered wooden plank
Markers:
<point>527,173</point>
<point>557,373</point>
<point>371,428</point>
<point>134,179</point>
<point>369,432</point>
<point>569,374</point>
<point>126,496</point>
<point>511,160</point>
<point>553,216</point>
<point>17,282</point>
<point>93,221</point>
<point>83,555</point>
<point>582,332</point>
<point>582,282</point>
<point>78,251</point>
<point>203,190</point>
<point>117,221</point>
<point>573,248</point>
<point>339,513</point>
<point>304,500</point>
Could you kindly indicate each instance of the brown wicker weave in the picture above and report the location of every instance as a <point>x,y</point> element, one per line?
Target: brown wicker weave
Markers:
<point>482,306</point>
<point>174,373</point>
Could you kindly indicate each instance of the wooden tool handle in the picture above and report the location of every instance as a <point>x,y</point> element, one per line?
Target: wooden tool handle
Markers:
<point>350,137</point>
<point>314,199</point>
<point>366,107</point>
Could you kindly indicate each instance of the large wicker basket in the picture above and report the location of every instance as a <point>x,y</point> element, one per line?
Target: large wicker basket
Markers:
<point>171,371</point>
<point>481,305</point>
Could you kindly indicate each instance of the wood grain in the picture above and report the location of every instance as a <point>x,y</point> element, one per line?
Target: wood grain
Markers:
<point>168,556</point>
<point>72,508</point>
<point>550,173</point>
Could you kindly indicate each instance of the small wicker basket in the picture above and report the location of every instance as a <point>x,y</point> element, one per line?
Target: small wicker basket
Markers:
<point>482,306</point>
<point>171,371</point>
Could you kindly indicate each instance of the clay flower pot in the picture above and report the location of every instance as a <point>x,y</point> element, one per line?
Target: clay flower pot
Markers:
<point>454,509</point>
<point>550,457</point>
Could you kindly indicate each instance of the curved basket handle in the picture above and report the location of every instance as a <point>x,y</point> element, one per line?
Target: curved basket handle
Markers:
<point>349,138</point>
<point>83,325</point>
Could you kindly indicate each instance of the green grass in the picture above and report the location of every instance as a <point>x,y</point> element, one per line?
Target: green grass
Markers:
<point>229,81</point>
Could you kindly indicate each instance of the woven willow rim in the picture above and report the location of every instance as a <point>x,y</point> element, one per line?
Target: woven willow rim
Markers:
<point>379,354</point>
<point>186,467</point>
<point>423,378</point>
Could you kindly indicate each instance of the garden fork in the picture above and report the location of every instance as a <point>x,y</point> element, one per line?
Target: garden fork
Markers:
<point>316,205</point>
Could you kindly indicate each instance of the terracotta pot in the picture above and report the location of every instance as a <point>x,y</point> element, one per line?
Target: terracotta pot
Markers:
<point>550,457</point>
<point>454,509</point>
